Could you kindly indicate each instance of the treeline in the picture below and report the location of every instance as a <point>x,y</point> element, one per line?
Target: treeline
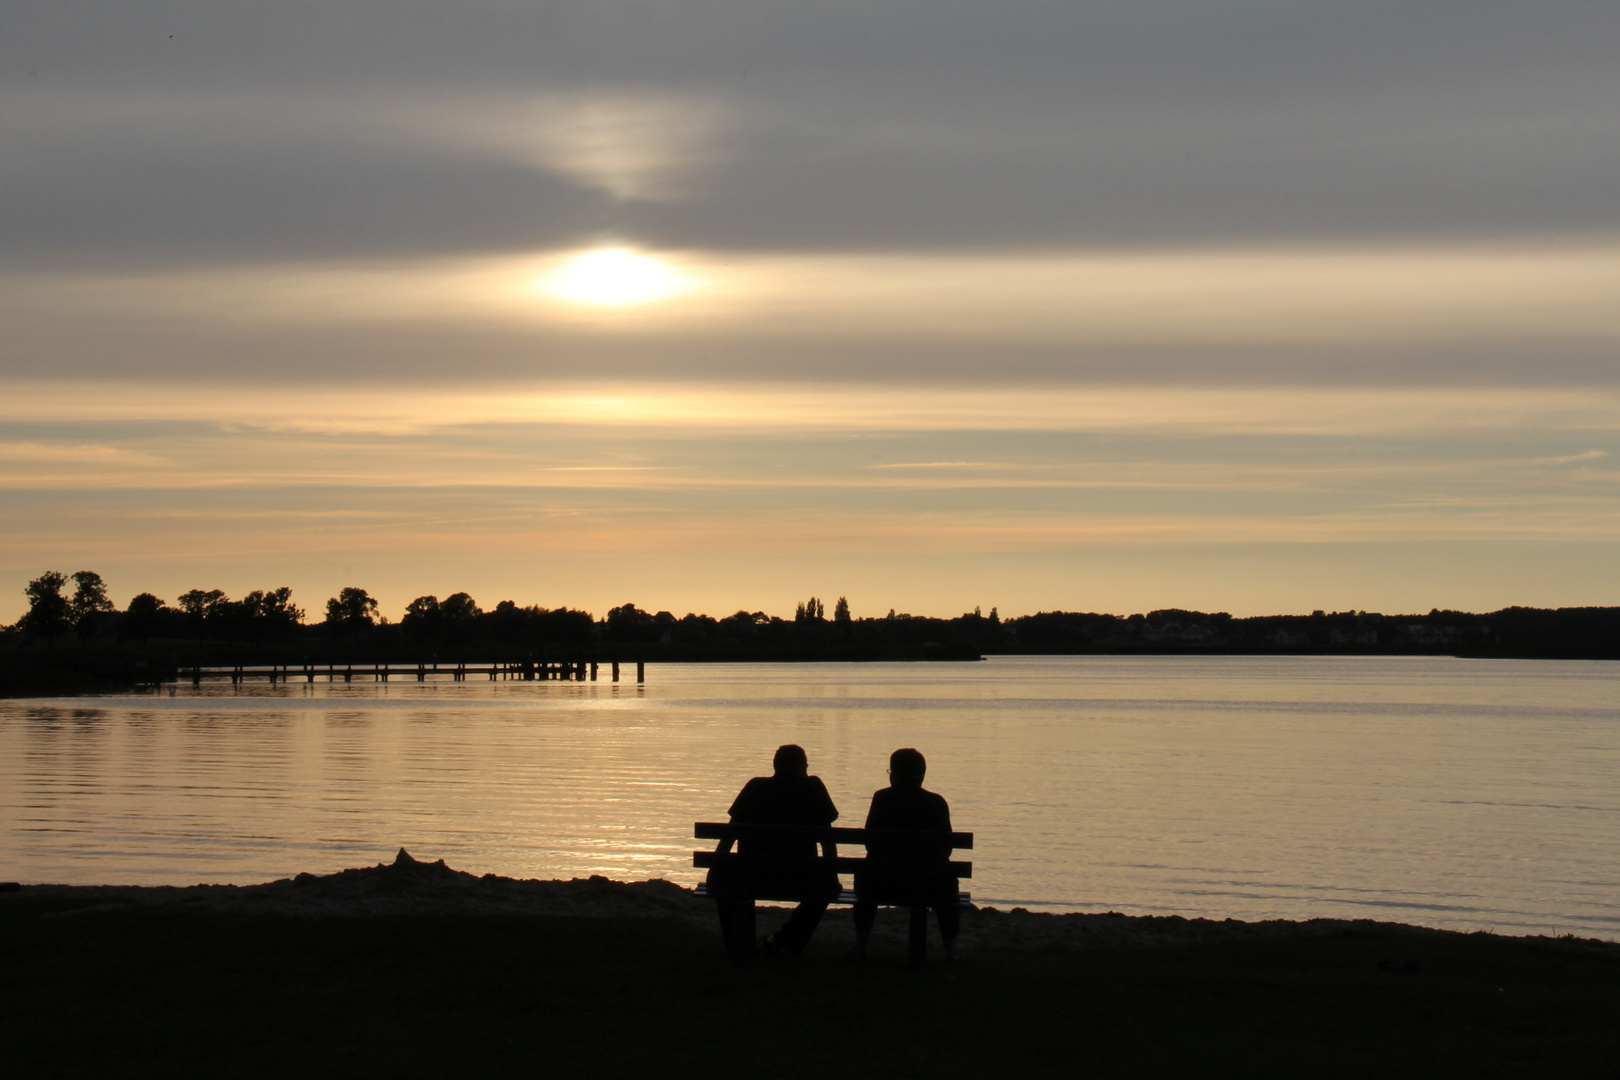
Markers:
<point>1547,633</point>
<point>268,623</point>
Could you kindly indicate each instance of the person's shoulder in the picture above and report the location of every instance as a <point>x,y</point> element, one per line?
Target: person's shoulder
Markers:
<point>758,783</point>
<point>757,788</point>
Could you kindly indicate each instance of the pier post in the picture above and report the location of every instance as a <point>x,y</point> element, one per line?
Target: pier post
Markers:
<point>615,671</point>
<point>593,671</point>
<point>641,671</point>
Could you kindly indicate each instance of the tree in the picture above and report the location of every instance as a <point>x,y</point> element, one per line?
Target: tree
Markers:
<point>142,617</point>
<point>841,612</point>
<point>48,610</point>
<point>89,607</point>
<point>202,608</point>
<point>421,621</point>
<point>629,623</point>
<point>351,609</point>
<point>277,613</point>
<point>461,614</point>
<point>261,614</point>
<point>459,607</point>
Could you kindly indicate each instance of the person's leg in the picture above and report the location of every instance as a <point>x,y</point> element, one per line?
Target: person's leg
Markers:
<point>797,931</point>
<point>865,916</point>
<point>949,917</point>
<point>728,929</point>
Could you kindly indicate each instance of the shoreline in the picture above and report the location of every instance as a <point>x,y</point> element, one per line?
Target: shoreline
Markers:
<point>75,680</point>
<point>409,887</point>
<point>413,969</point>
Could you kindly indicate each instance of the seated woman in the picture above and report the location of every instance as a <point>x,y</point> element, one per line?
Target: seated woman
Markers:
<point>905,804</point>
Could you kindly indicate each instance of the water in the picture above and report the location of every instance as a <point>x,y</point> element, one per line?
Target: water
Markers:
<point>1458,793</point>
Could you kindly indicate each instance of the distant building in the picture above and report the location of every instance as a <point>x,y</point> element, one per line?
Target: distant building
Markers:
<point>1174,633</point>
<point>1354,637</point>
<point>1424,634</point>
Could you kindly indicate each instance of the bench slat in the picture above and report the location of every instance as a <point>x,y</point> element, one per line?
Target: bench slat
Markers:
<point>844,864</point>
<point>725,830</point>
<point>845,897</point>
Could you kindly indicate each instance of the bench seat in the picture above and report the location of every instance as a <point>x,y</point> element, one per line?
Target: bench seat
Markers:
<point>846,897</point>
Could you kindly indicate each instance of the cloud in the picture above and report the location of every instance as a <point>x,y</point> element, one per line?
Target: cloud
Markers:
<point>81,454</point>
<point>1573,459</point>
<point>1387,315</point>
<point>358,130</point>
<point>695,408</point>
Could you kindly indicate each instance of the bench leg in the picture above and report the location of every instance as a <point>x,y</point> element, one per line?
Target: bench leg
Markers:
<point>917,946</point>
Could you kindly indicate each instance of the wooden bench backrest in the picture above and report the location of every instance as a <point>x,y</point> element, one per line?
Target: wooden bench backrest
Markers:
<point>829,834</point>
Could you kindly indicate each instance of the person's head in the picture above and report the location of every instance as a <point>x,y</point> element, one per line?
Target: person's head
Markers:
<point>790,761</point>
<point>907,768</point>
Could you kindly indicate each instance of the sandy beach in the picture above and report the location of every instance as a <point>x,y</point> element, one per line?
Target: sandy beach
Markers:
<point>409,886</point>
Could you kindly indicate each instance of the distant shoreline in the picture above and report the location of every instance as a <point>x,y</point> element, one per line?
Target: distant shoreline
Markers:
<point>76,677</point>
<point>104,648</point>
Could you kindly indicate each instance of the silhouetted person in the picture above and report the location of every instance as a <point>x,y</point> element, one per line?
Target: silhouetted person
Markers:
<point>905,804</point>
<point>790,797</point>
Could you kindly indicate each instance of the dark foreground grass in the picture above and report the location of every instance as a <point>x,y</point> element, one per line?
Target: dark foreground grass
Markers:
<point>131,992</point>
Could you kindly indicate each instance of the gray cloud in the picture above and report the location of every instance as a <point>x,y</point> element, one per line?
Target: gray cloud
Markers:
<point>371,129</point>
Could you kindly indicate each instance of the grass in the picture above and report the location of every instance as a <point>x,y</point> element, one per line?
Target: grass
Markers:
<point>134,992</point>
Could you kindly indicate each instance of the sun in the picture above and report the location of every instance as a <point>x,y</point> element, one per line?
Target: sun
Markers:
<point>614,278</point>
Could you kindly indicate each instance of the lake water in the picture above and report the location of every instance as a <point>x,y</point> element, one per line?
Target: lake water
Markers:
<point>1458,793</point>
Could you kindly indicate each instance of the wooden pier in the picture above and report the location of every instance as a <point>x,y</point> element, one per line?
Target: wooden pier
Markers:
<point>513,671</point>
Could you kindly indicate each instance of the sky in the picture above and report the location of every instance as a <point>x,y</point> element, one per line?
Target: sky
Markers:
<point>705,305</point>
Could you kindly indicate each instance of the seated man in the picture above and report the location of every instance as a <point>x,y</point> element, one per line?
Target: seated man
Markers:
<point>906,805</point>
<point>791,797</point>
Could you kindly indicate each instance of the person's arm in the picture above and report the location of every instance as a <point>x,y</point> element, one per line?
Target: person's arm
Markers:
<point>945,821</point>
<point>740,807</point>
<point>830,813</point>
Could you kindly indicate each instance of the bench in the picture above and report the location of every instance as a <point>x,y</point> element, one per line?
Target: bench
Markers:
<point>894,869</point>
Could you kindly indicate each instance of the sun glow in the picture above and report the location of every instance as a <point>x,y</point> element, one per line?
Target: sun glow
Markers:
<point>614,278</point>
